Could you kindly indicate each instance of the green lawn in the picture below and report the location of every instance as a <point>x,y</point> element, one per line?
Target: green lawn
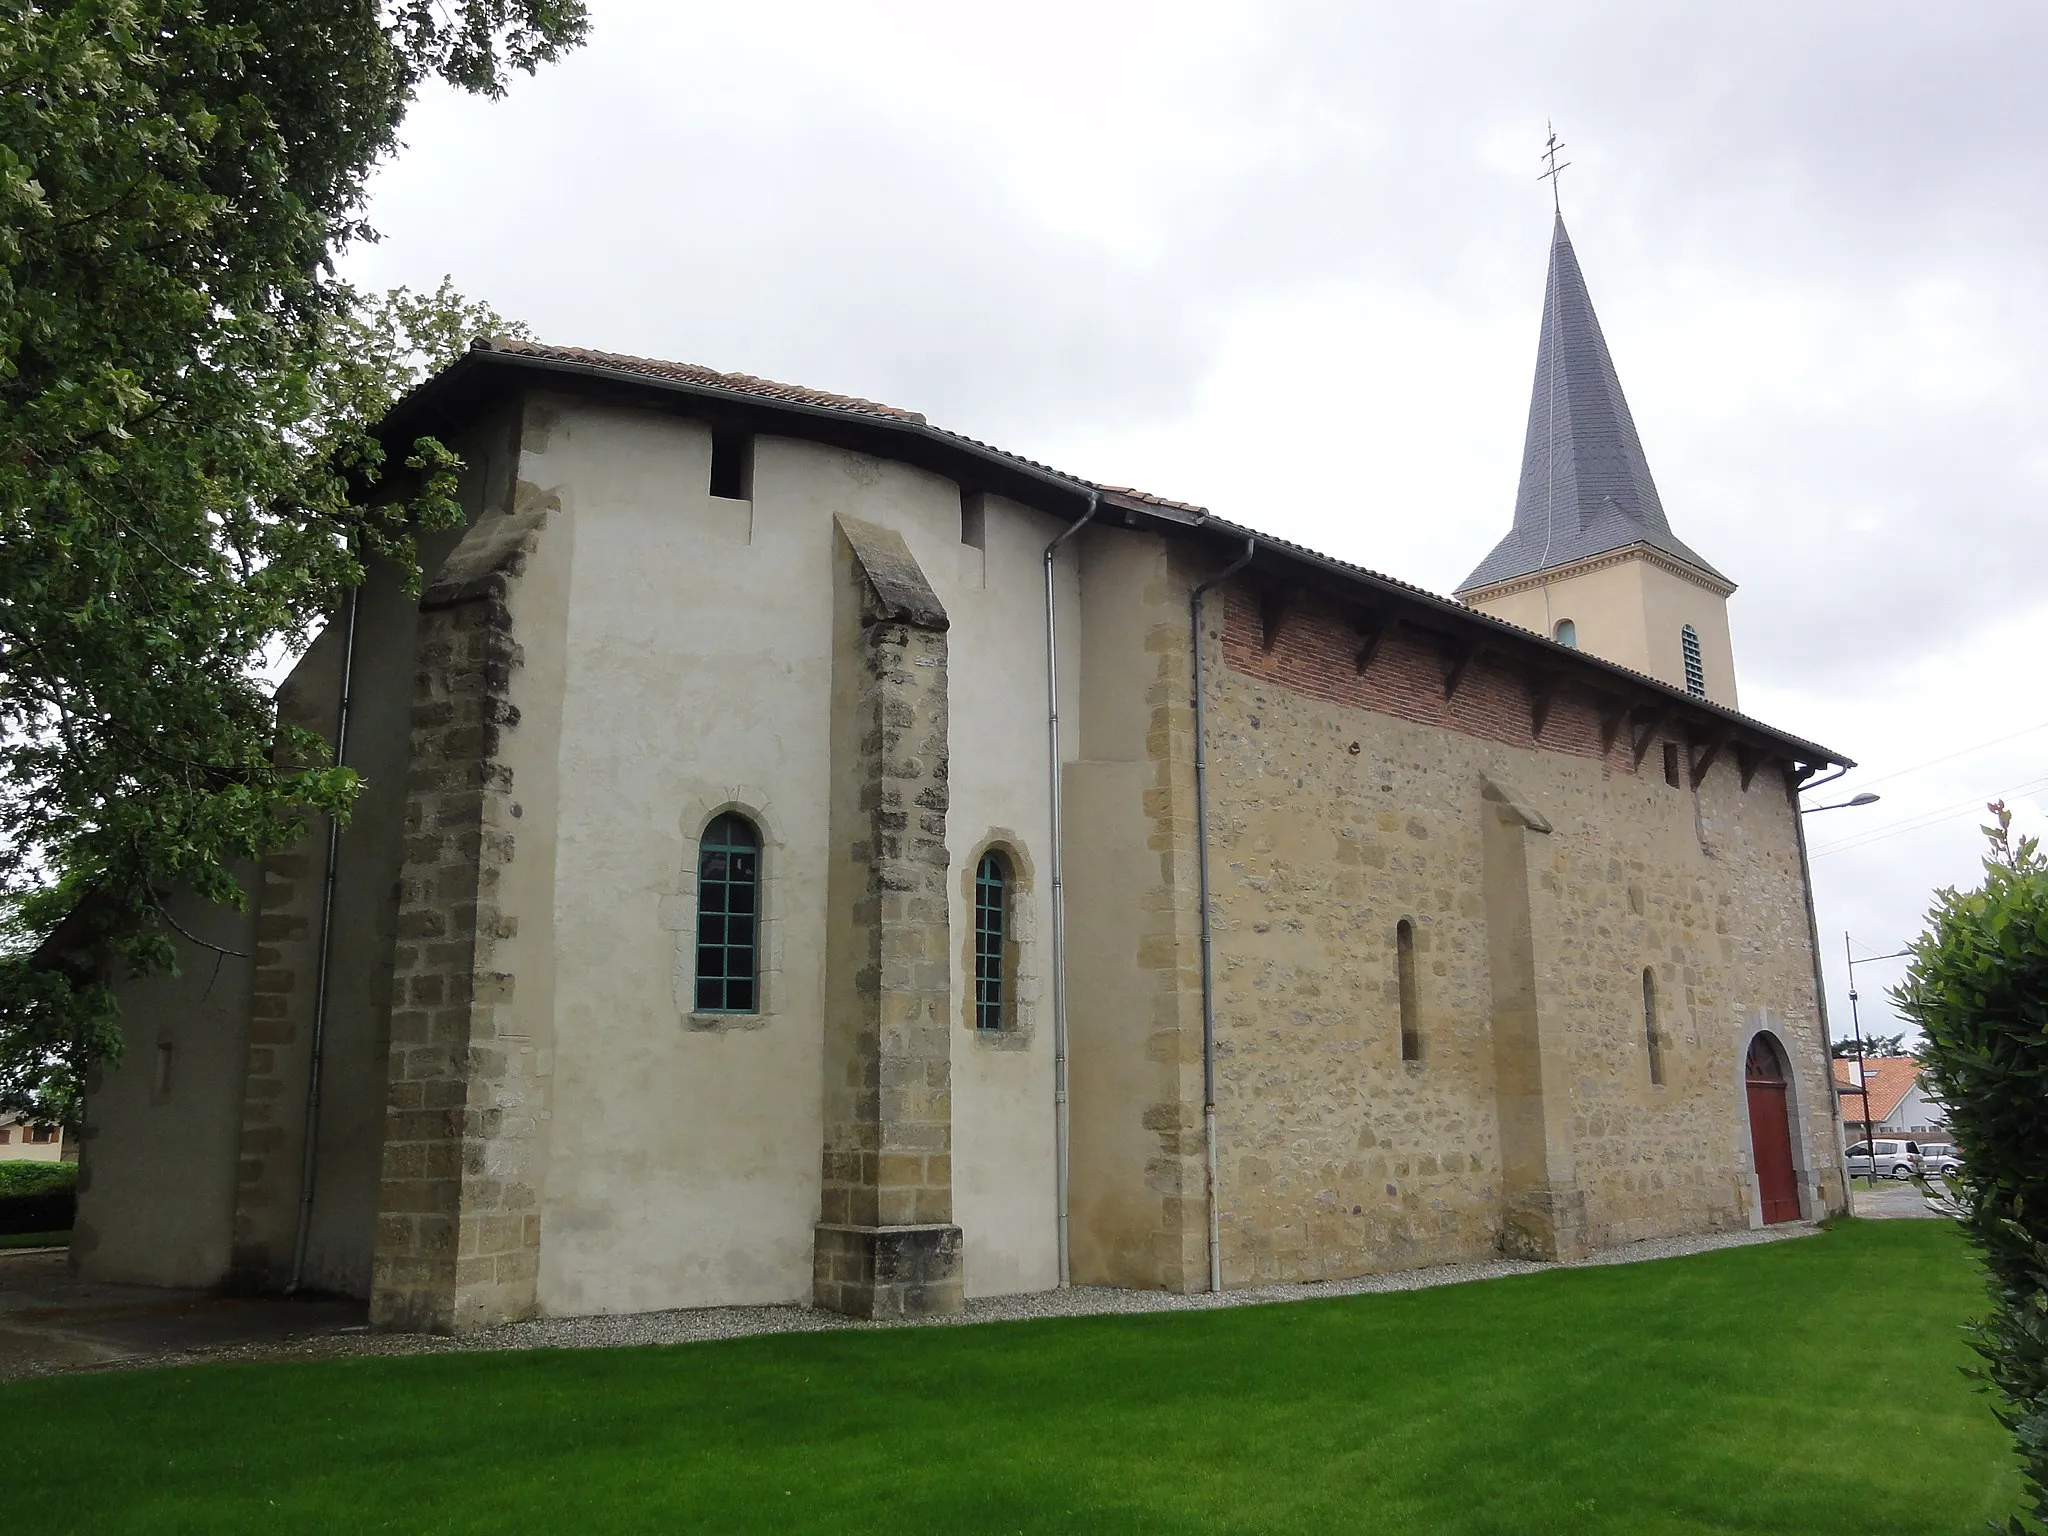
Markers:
<point>1807,1386</point>
<point>34,1239</point>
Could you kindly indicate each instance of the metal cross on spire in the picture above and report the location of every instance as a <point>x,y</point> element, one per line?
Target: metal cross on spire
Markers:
<point>1550,155</point>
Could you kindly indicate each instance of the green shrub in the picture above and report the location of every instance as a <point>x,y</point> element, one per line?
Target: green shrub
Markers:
<point>1978,989</point>
<point>21,1178</point>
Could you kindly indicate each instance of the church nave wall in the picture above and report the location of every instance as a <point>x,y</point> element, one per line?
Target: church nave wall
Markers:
<point>1339,807</point>
<point>686,1147</point>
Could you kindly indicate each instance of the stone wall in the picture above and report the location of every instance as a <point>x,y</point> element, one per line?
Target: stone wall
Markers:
<point>1139,1181</point>
<point>458,1223</point>
<point>287,898</point>
<point>886,1243</point>
<point>1344,801</point>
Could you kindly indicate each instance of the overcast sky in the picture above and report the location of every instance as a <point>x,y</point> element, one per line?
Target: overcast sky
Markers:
<point>1287,261</point>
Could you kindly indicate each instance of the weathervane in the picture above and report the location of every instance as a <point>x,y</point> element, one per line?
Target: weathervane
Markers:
<point>1550,154</point>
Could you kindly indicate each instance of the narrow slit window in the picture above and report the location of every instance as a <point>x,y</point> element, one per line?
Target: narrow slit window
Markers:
<point>1567,633</point>
<point>1654,1040</point>
<point>1404,961</point>
<point>974,520</point>
<point>991,932</point>
<point>1695,668</point>
<point>1671,763</point>
<point>732,465</point>
<point>728,916</point>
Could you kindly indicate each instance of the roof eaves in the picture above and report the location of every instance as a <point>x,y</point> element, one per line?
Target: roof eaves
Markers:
<point>903,423</point>
<point>1136,505</point>
<point>1812,754</point>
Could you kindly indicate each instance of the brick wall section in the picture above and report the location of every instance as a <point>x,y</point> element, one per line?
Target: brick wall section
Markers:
<point>886,1245</point>
<point>458,1224</point>
<point>1315,654</point>
<point>272,1146</point>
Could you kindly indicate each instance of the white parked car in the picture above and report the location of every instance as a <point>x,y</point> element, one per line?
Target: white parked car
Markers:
<point>1940,1159</point>
<point>1883,1159</point>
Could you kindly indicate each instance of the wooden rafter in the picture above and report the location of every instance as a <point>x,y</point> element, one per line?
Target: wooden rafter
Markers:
<point>1655,722</point>
<point>1704,755</point>
<point>1374,627</point>
<point>1461,656</point>
<point>1274,602</point>
<point>1747,761</point>
<point>1543,688</point>
<point>1613,715</point>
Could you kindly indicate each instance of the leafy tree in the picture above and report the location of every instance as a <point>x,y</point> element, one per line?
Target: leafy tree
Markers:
<point>1874,1046</point>
<point>189,475</point>
<point>1978,989</point>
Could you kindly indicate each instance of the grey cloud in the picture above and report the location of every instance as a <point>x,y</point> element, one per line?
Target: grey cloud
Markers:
<point>848,225</point>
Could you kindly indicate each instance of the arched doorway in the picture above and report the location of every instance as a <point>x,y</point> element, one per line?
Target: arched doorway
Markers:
<point>1770,1130</point>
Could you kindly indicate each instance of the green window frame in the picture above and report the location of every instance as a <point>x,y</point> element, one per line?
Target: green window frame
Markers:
<point>729,916</point>
<point>991,933</point>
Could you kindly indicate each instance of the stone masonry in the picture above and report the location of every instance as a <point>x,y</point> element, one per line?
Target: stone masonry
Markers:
<point>458,1223</point>
<point>272,1145</point>
<point>886,1244</point>
<point>1544,867</point>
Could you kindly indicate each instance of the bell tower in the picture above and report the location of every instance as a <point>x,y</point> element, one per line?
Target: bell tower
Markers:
<point>1591,561</point>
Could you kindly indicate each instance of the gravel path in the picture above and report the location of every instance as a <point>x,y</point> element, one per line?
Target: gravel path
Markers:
<point>701,1324</point>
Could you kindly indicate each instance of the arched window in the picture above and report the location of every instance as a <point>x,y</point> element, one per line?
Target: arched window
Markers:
<point>1695,669</point>
<point>1567,633</point>
<point>1650,1035</point>
<point>991,933</point>
<point>1404,962</point>
<point>728,916</point>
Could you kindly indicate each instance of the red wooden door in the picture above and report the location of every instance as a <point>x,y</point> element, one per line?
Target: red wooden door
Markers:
<point>1770,1133</point>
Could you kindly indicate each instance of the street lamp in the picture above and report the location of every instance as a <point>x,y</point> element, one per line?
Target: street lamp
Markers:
<point>1856,1026</point>
<point>1866,798</point>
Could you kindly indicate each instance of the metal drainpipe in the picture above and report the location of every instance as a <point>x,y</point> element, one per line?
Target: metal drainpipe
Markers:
<point>1820,989</point>
<point>1202,883</point>
<point>1059,892</point>
<point>308,1159</point>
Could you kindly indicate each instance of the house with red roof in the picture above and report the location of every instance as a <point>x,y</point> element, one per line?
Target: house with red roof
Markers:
<point>1899,1105</point>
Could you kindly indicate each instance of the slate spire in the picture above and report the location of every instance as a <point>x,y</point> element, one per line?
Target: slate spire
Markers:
<point>1586,486</point>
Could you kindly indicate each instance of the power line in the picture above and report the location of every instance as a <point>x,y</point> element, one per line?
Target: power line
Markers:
<point>1935,762</point>
<point>1971,806</point>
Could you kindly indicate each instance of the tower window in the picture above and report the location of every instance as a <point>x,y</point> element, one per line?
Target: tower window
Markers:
<point>728,915</point>
<point>732,465</point>
<point>974,519</point>
<point>1404,963</point>
<point>1695,669</point>
<point>1567,633</point>
<point>1671,763</point>
<point>1650,1035</point>
<point>991,929</point>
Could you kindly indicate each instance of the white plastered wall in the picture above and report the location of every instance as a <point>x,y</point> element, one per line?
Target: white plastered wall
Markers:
<point>685,1152</point>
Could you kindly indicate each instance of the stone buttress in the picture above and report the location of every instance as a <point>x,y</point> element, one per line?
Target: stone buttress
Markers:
<point>886,1242</point>
<point>458,1216</point>
<point>1545,1209</point>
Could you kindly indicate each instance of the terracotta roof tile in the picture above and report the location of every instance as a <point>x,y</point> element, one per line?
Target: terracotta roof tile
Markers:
<point>797,394</point>
<point>695,375</point>
<point>710,378</point>
<point>1889,1078</point>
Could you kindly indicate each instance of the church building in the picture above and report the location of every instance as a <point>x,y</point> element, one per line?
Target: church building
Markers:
<point>806,855</point>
